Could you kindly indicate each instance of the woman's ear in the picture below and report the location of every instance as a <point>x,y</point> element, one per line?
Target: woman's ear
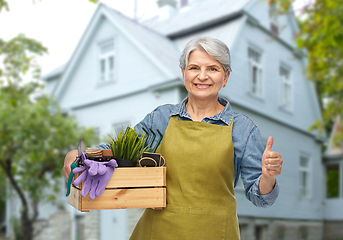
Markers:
<point>226,78</point>
<point>183,76</point>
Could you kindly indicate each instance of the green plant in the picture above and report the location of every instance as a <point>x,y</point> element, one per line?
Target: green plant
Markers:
<point>126,144</point>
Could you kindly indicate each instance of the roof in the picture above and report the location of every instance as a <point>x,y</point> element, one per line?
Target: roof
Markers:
<point>155,38</point>
<point>154,42</point>
<point>54,73</point>
<point>203,14</point>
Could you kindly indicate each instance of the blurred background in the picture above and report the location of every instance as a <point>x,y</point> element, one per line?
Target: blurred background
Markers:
<point>83,68</point>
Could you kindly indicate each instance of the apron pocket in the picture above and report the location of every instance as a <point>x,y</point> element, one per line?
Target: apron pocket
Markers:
<point>189,223</point>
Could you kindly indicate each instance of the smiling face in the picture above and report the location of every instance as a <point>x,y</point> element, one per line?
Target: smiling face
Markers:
<point>204,76</point>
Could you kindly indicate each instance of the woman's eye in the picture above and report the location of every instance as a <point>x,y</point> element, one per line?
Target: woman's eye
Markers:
<point>193,68</point>
<point>213,69</point>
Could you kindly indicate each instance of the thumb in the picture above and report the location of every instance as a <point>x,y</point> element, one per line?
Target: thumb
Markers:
<point>269,144</point>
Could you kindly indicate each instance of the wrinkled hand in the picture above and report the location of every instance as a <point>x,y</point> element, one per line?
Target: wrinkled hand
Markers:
<point>271,161</point>
<point>96,176</point>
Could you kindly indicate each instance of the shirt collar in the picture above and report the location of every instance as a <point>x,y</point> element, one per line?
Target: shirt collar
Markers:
<point>225,115</point>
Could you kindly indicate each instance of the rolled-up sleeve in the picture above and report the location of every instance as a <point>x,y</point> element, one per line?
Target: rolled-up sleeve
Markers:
<point>251,171</point>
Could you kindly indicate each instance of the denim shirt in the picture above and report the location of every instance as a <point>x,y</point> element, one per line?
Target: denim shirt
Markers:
<point>247,143</point>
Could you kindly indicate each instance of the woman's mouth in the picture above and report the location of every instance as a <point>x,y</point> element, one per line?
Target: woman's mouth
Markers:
<point>202,85</point>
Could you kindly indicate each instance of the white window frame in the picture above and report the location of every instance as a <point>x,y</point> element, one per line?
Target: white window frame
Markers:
<point>305,192</point>
<point>286,84</point>
<point>255,73</point>
<point>105,57</point>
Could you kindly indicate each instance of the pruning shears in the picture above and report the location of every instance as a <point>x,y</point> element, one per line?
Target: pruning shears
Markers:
<point>80,149</point>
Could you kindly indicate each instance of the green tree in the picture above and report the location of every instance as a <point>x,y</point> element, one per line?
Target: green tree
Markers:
<point>3,4</point>
<point>35,135</point>
<point>321,35</point>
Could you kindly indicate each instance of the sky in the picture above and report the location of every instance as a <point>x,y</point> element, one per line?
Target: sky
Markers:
<point>59,24</point>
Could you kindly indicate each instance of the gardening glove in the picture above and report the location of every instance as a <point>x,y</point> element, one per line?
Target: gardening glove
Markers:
<point>96,176</point>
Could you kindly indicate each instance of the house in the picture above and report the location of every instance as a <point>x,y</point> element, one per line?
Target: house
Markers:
<point>122,69</point>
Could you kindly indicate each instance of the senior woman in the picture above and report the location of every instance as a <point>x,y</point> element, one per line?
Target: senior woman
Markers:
<point>206,146</point>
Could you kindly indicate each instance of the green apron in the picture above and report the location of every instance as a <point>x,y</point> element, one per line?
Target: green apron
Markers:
<point>200,180</point>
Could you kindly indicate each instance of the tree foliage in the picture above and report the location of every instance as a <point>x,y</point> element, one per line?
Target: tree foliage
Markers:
<point>35,134</point>
<point>3,5</point>
<point>321,36</point>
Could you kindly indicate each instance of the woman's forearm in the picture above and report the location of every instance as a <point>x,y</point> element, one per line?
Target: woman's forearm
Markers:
<point>266,185</point>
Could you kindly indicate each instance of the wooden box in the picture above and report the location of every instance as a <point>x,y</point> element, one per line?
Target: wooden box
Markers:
<point>129,187</point>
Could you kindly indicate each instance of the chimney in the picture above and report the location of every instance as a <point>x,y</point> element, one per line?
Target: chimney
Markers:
<point>166,8</point>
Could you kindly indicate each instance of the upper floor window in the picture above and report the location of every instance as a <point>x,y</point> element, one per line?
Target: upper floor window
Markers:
<point>255,72</point>
<point>286,88</point>
<point>106,61</point>
<point>304,176</point>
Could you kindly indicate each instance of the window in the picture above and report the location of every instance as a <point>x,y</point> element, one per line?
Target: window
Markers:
<point>281,233</point>
<point>255,72</point>
<point>332,180</point>
<point>244,231</point>
<point>286,88</point>
<point>303,233</point>
<point>106,61</point>
<point>259,232</point>
<point>304,177</point>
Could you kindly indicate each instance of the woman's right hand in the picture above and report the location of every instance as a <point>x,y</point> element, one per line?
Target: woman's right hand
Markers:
<point>69,159</point>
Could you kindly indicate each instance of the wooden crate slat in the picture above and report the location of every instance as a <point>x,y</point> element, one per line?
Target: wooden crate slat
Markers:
<point>138,177</point>
<point>125,198</point>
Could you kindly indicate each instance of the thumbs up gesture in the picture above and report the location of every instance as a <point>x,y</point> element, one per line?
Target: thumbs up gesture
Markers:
<point>271,161</point>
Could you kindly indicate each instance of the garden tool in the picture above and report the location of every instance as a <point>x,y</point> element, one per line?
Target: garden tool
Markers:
<point>81,150</point>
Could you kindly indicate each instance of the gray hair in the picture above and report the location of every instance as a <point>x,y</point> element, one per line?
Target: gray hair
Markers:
<point>214,47</point>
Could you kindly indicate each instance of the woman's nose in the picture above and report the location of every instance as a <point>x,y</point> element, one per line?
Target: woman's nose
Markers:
<point>202,75</point>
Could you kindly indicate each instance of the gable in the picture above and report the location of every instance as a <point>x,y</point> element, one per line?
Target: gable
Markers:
<point>107,23</point>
